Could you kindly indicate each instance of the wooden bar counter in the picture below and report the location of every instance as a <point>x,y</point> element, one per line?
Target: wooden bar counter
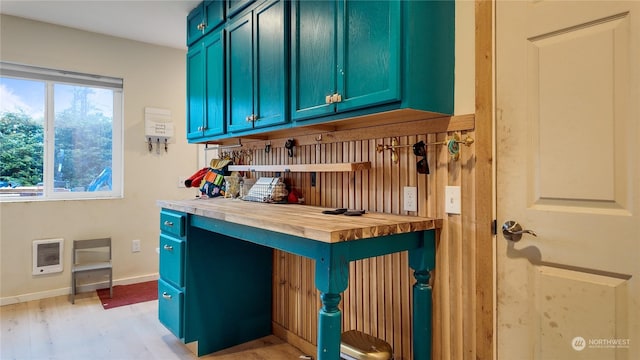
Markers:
<point>216,261</point>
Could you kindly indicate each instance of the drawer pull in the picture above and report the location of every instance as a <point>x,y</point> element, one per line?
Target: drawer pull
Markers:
<point>168,223</point>
<point>168,247</point>
<point>166,295</point>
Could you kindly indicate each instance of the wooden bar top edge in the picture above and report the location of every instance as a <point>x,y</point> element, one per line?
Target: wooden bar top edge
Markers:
<point>302,220</point>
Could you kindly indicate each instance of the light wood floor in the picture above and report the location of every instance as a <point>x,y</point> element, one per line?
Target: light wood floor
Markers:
<point>54,329</point>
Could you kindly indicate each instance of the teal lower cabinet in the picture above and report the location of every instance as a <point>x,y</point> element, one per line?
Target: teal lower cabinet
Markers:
<point>227,295</point>
<point>227,291</point>
<point>213,289</point>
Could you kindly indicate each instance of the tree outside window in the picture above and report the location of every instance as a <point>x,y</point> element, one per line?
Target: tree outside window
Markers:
<point>59,139</point>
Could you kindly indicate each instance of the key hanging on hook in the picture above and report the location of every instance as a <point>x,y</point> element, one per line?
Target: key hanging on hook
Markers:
<point>453,145</point>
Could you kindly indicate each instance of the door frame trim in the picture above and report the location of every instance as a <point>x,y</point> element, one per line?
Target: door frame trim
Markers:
<point>484,183</point>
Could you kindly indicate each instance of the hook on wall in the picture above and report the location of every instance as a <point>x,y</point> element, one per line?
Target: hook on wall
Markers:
<point>318,140</point>
<point>394,145</point>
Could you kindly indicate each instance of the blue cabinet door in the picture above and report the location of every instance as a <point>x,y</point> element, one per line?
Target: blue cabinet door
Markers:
<point>234,6</point>
<point>368,54</point>
<point>214,13</point>
<point>195,91</point>
<point>240,73</point>
<point>214,123</point>
<point>270,88</point>
<point>203,19</point>
<point>195,24</point>
<point>313,58</point>
<point>206,87</point>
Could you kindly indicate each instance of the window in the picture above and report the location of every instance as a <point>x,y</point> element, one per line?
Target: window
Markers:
<point>60,134</point>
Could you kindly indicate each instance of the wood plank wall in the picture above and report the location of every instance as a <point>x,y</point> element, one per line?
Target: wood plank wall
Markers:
<point>378,300</point>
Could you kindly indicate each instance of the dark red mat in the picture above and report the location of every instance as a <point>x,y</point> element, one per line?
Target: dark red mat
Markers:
<point>129,294</point>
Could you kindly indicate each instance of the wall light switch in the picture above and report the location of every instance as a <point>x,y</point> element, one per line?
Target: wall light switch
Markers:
<point>452,200</point>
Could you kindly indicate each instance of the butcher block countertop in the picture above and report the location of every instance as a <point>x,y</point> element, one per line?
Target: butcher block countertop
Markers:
<point>302,220</point>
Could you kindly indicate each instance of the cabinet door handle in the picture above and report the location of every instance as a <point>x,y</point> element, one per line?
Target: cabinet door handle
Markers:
<point>336,98</point>
<point>166,295</point>
<point>328,99</point>
<point>168,223</point>
<point>168,247</point>
<point>202,26</point>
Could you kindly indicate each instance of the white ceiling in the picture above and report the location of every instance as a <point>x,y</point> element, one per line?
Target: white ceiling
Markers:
<point>160,22</point>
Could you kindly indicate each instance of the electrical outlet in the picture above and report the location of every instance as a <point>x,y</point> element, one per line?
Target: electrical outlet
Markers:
<point>452,200</point>
<point>135,246</point>
<point>410,198</point>
<point>181,180</point>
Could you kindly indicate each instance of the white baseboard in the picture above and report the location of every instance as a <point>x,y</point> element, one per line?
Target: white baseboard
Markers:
<point>66,291</point>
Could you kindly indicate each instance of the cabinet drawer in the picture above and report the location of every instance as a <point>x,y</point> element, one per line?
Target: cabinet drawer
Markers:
<point>172,222</point>
<point>170,307</point>
<point>172,259</point>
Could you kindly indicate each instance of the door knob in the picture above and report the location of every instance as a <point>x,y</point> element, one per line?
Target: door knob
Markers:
<point>512,231</point>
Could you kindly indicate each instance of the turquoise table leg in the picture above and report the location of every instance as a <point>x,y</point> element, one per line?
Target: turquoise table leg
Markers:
<point>422,260</point>
<point>422,317</point>
<point>332,278</point>
<point>329,327</point>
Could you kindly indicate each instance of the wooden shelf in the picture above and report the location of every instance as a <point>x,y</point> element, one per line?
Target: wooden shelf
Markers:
<point>338,167</point>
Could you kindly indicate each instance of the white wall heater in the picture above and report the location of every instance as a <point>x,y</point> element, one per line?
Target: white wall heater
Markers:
<point>47,256</point>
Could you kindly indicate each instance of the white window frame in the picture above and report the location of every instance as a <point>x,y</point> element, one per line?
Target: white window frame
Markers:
<point>51,77</point>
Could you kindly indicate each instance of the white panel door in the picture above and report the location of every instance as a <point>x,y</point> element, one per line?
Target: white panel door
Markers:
<point>568,168</point>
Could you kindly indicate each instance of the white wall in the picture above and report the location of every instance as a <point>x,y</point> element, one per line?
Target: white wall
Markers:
<point>153,76</point>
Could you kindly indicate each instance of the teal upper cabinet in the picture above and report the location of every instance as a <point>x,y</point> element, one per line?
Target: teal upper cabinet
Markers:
<point>204,18</point>
<point>276,64</point>
<point>206,87</point>
<point>234,6</point>
<point>345,55</point>
<point>369,56</point>
<point>257,72</point>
